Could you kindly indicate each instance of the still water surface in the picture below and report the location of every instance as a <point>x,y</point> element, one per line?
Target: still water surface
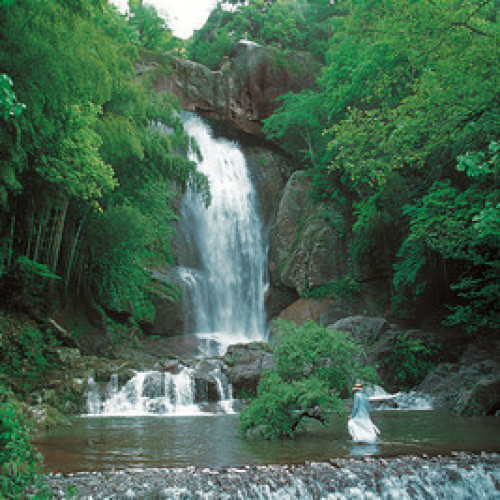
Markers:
<point>98,444</point>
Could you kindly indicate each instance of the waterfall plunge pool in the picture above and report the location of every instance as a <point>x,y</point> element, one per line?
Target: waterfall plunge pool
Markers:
<point>114,443</point>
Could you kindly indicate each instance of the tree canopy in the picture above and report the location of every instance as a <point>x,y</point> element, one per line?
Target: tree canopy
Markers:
<point>404,128</point>
<point>284,24</point>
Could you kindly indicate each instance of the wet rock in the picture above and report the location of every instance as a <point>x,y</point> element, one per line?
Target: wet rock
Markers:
<point>207,380</point>
<point>168,366</point>
<point>470,386</point>
<point>245,364</point>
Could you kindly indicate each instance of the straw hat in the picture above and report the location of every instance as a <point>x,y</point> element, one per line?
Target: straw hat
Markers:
<point>357,387</point>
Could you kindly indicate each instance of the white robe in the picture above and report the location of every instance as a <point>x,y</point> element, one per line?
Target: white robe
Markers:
<point>360,426</point>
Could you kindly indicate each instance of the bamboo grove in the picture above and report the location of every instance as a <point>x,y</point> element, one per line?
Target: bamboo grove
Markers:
<point>92,158</point>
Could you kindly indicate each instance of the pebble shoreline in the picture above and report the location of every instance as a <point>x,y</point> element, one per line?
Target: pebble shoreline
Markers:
<point>464,474</point>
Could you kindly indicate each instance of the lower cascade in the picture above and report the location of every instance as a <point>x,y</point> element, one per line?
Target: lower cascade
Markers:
<point>380,399</point>
<point>186,392</point>
<point>203,389</point>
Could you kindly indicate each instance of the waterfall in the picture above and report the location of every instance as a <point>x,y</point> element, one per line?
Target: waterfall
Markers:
<point>223,265</point>
<point>185,393</point>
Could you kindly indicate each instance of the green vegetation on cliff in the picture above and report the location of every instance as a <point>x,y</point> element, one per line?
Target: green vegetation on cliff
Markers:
<point>286,25</point>
<point>404,129</point>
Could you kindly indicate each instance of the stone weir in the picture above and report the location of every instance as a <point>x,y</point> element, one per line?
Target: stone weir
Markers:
<point>459,476</point>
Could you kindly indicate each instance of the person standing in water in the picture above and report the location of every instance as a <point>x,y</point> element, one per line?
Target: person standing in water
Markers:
<point>360,426</point>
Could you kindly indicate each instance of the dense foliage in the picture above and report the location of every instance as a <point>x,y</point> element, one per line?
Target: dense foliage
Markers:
<point>284,24</point>
<point>92,157</point>
<point>314,367</point>
<point>92,161</point>
<point>403,130</point>
<point>20,464</point>
<point>23,352</point>
<point>411,359</point>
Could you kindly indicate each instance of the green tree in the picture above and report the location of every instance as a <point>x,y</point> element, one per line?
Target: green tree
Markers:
<point>285,24</point>
<point>96,152</point>
<point>461,229</point>
<point>409,90</point>
<point>153,31</point>
<point>314,367</point>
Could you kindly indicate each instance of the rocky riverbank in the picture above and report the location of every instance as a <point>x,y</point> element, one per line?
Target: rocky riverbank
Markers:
<point>458,476</point>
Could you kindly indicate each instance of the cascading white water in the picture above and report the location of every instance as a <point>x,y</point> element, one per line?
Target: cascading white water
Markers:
<point>159,393</point>
<point>413,400</point>
<point>223,265</point>
<point>146,393</point>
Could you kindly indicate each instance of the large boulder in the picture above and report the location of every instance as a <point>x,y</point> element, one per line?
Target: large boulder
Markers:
<point>169,318</point>
<point>244,90</point>
<point>306,309</point>
<point>379,339</point>
<point>209,380</point>
<point>309,246</point>
<point>245,364</point>
<point>470,386</point>
<point>365,329</point>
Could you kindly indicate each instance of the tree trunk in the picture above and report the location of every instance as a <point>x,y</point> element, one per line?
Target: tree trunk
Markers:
<point>10,248</point>
<point>31,231</point>
<point>72,253</point>
<point>57,239</point>
<point>44,218</point>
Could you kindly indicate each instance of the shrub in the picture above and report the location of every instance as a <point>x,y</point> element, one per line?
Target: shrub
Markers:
<point>412,358</point>
<point>22,350</point>
<point>314,366</point>
<point>20,464</point>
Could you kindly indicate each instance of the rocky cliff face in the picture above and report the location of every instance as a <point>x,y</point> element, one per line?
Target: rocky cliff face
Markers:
<point>244,90</point>
<point>309,243</point>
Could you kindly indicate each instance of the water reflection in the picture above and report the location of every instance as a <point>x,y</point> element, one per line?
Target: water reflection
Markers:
<point>363,450</point>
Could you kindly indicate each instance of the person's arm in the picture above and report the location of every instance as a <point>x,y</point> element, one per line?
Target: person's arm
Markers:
<point>355,405</point>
